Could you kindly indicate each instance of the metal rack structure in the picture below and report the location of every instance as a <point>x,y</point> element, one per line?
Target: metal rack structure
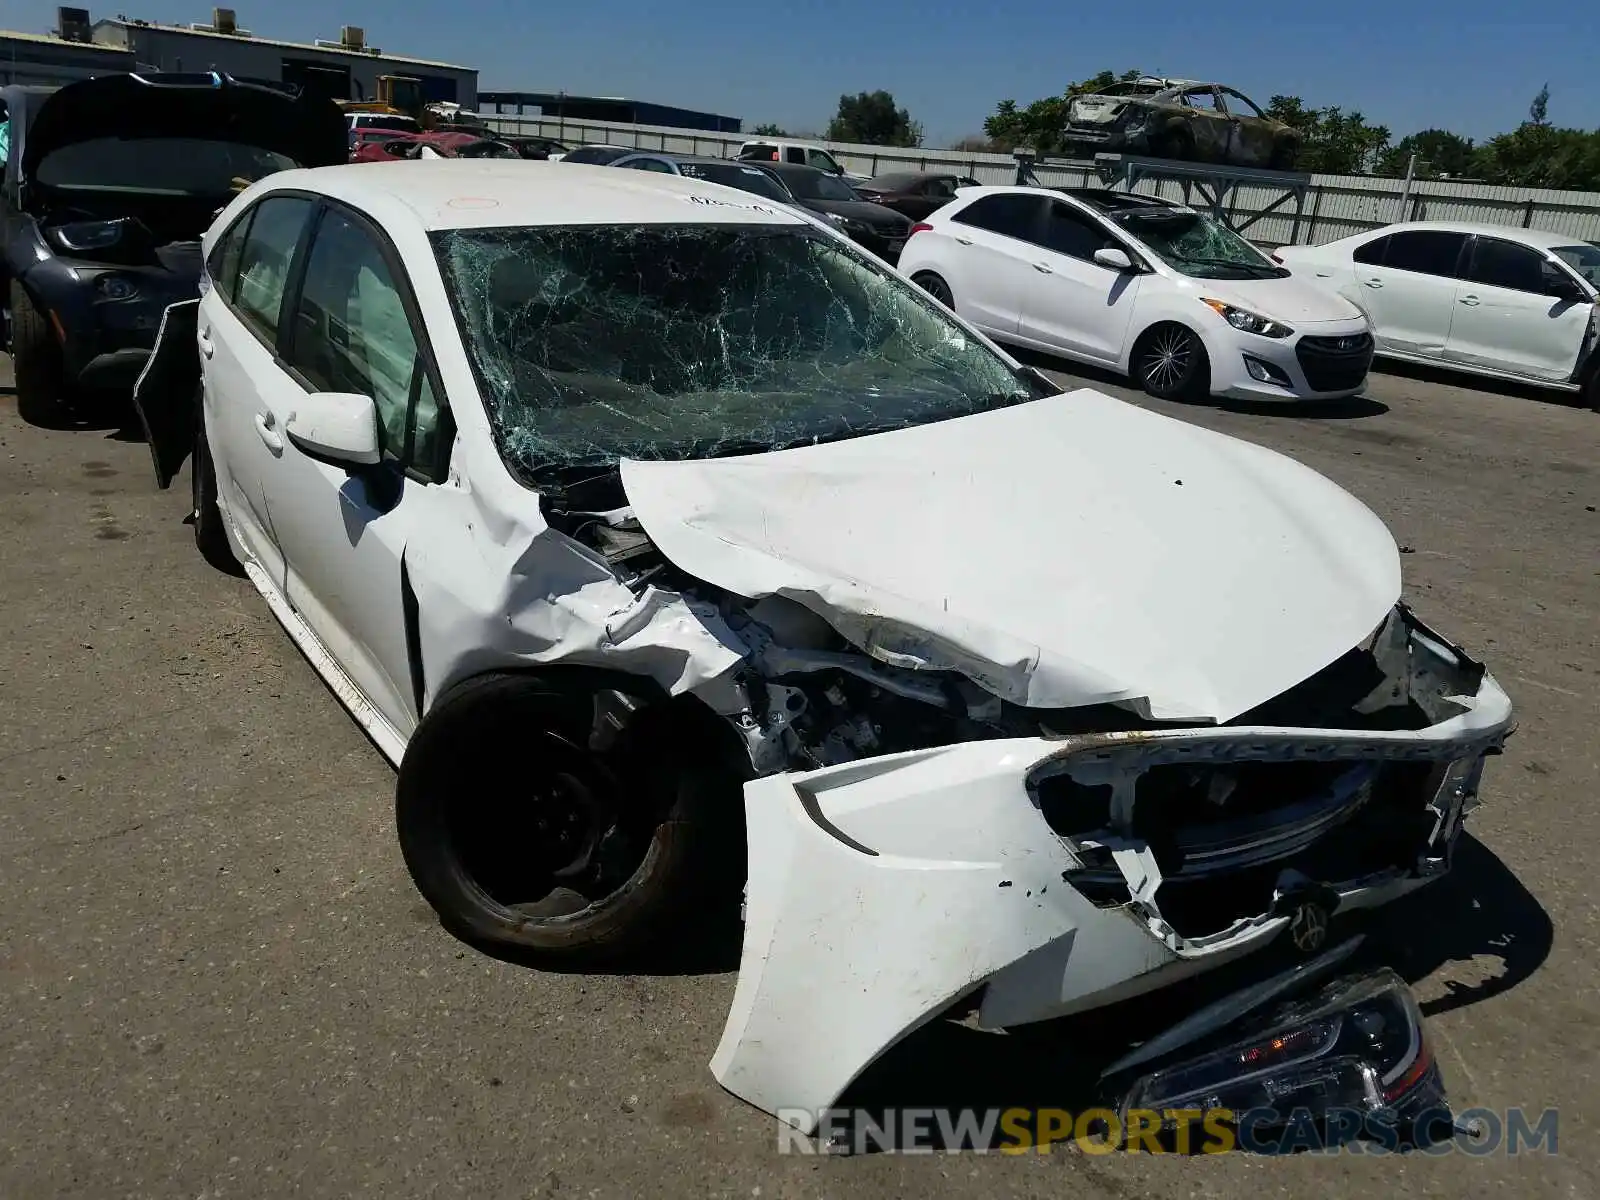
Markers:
<point>1214,185</point>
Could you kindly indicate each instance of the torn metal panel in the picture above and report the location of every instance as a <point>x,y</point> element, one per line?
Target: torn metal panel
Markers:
<point>895,886</point>
<point>1072,551</point>
<point>520,593</point>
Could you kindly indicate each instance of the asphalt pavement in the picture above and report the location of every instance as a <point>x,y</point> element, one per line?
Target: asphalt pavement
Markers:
<point>217,981</point>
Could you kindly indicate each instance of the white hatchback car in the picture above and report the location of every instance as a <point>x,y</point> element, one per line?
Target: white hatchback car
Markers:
<point>1490,299</point>
<point>652,529</point>
<point>1141,285</point>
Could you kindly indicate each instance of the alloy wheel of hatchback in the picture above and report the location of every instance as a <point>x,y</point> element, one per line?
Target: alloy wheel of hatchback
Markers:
<point>936,287</point>
<point>1170,363</point>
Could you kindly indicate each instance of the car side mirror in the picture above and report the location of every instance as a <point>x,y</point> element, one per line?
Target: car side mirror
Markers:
<point>1562,286</point>
<point>1114,259</point>
<point>336,427</point>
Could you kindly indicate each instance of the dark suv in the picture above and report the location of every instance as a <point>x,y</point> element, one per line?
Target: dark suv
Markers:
<point>107,188</point>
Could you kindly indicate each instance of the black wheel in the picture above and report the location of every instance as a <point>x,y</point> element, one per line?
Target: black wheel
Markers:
<point>210,537</point>
<point>936,287</point>
<point>36,363</point>
<point>1175,143</point>
<point>1170,363</point>
<point>518,832</point>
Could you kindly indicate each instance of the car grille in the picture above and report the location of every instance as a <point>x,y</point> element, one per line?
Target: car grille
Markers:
<point>1335,364</point>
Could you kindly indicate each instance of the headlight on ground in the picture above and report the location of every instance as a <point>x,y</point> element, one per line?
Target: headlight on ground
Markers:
<point>1246,321</point>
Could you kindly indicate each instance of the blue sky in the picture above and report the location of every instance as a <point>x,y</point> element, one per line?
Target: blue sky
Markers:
<point>1410,64</point>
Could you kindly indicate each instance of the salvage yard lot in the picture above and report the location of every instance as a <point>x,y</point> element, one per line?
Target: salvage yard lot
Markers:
<point>217,979</point>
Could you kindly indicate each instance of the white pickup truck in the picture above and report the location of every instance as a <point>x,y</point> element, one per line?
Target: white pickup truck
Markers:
<point>805,153</point>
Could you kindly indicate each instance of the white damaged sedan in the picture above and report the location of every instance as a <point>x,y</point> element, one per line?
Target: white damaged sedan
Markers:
<point>643,525</point>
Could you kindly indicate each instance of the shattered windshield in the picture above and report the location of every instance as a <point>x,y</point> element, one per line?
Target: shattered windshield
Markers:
<point>1197,244</point>
<point>601,342</point>
<point>158,166</point>
<point>814,185</point>
<point>1585,260</point>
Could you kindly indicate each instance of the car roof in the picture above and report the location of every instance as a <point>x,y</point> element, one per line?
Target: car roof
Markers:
<point>1106,200</point>
<point>902,178</point>
<point>784,168</point>
<point>704,159</point>
<point>1541,238</point>
<point>488,193</point>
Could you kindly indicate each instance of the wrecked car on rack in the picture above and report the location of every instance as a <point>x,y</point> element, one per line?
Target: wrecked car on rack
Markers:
<point>659,535</point>
<point>1183,119</point>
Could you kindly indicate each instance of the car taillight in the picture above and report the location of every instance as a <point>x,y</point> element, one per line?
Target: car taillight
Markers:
<point>920,227</point>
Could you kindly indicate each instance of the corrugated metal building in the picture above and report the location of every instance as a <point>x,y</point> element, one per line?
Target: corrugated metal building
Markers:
<point>560,106</point>
<point>45,59</point>
<point>343,69</point>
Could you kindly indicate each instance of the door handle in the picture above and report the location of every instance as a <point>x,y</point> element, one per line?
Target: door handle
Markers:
<point>1373,283</point>
<point>204,339</point>
<point>1043,268</point>
<point>964,241</point>
<point>269,437</point>
<point>1469,300</point>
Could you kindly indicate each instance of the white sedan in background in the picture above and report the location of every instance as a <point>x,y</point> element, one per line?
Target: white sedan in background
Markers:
<point>1490,299</point>
<point>1140,285</point>
<point>653,530</point>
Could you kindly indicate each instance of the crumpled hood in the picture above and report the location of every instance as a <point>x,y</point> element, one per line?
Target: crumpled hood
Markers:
<point>1289,299</point>
<point>1069,551</point>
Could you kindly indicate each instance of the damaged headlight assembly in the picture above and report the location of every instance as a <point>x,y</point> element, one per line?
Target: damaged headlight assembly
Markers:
<point>1352,1059</point>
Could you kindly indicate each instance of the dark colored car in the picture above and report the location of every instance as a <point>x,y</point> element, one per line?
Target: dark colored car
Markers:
<point>747,177</point>
<point>108,187</point>
<point>871,226</point>
<point>914,194</point>
<point>536,148</point>
<point>597,156</point>
<point>1185,119</point>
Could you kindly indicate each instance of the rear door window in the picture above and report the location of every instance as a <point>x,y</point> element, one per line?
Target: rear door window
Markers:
<point>1372,253</point>
<point>1011,215</point>
<point>1426,252</point>
<point>226,254</point>
<point>264,262</point>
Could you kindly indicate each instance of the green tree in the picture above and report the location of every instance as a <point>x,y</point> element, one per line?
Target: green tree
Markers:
<point>1335,142</point>
<point>1439,153</point>
<point>1539,110</point>
<point>1043,124</point>
<point>767,130</point>
<point>871,119</point>
<point>1540,154</point>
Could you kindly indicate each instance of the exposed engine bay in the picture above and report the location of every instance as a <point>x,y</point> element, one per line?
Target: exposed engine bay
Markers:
<point>1183,845</point>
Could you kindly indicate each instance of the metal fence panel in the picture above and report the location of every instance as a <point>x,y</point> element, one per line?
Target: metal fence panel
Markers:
<point>1336,206</point>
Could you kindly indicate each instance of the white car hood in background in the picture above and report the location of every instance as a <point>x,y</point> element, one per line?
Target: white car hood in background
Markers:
<point>1289,299</point>
<point>1070,551</point>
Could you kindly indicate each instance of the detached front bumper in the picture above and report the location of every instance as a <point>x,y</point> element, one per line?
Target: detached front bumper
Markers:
<point>1059,875</point>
